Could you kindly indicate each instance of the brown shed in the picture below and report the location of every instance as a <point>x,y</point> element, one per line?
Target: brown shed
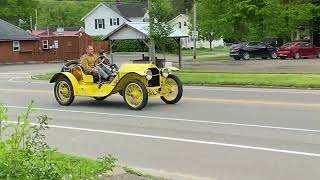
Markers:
<point>60,44</point>
<point>16,45</point>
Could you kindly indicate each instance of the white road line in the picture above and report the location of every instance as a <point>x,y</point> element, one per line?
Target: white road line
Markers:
<point>13,73</point>
<point>186,140</point>
<point>286,91</point>
<point>177,119</point>
<point>13,80</point>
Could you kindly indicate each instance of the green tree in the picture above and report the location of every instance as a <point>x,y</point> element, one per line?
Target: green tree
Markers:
<point>13,10</point>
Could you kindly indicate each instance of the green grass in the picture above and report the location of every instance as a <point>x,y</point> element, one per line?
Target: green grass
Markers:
<point>207,77</point>
<point>46,76</point>
<point>202,51</point>
<point>279,80</point>
<point>79,167</point>
<point>138,173</point>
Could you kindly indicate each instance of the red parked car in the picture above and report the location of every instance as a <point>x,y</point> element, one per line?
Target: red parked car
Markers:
<point>298,50</point>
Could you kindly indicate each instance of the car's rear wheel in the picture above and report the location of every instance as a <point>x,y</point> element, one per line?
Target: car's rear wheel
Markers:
<point>63,91</point>
<point>297,56</point>
<point>100,98</point>
<point>237,58</point>
<point>173,87</point>
<point>318,55</point>
<point>246,56</point>
<point>274,55</point>
<point>135,95</point>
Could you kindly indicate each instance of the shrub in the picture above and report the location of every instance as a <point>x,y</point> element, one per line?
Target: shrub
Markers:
<point>24,154</point>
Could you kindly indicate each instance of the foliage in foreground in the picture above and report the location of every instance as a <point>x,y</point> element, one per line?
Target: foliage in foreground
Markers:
<point>24,154</point>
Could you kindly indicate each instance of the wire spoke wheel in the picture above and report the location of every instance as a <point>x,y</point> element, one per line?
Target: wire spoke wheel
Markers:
<point>135,95</point>
<point>173,88</point>
<point>64,92</point>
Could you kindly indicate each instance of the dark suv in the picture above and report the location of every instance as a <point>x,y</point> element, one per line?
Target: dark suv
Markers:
<point>247,50</point>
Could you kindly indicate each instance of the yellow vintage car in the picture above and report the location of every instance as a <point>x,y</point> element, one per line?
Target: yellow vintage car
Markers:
<point>135,82</point>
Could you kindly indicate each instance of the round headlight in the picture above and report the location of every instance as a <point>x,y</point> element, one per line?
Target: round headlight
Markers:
<point>149,74</point>
<point>165,72</point>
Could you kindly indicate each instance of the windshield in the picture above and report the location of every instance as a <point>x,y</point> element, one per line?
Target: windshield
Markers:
<point>288,44</point>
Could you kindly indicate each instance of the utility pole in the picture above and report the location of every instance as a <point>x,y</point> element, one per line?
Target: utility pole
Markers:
<point>36,23</point>
<point>152,49</point>
<point>31,26</point>
<point>194,33</point>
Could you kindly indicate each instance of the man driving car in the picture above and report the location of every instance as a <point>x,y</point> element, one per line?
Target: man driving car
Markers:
<point>90,61</point>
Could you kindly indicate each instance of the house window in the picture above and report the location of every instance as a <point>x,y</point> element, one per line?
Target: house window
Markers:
<point>185,24</point>
<point>114,21</point>
<point>99,24</point>
<point>180,25</point>
<point>69,43</point>
<point>45,44</point>
<point>16,46</point>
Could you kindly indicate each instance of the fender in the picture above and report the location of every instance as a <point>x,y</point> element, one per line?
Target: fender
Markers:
<point>122,82</point>
<point>71,78</point>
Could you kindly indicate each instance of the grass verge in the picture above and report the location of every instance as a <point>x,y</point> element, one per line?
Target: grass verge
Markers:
<point>206,77</point>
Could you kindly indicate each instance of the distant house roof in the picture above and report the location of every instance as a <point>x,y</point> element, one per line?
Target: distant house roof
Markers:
<point>180,15</point>
<point>137,30</point>
<point>126,10</point>
<point>45,33</point>
<point>129,10</point>
<point>10,32</point>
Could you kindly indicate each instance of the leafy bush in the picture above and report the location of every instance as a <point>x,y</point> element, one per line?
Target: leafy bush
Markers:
<point>97,38</point>
<point>129,46</point>
<point>24,154</point>
<point>165,45</point>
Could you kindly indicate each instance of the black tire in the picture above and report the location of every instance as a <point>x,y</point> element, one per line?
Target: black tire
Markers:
<point>100,98</point>
<point>283,58</point>
<point>246,56</point>
<point>180,91</point>
<point>237,58</point>
<point>318,56</point>
<point>69,100</point>
<point>297,56</point>
<point>144,92</point>
<point>274,55</point>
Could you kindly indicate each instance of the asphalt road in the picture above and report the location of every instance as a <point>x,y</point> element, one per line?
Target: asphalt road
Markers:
<point>213,133</point>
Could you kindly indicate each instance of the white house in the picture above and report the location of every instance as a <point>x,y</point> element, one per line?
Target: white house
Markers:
<point>181,22</point>
<point>106,17</point>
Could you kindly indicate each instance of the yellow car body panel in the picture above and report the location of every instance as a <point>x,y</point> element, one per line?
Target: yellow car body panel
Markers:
<point>127,72</point>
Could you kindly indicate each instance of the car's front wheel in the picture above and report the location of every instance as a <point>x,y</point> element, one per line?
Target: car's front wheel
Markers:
<point>246,56</point>
<point>135,94</point>
<point>63,91</point>
<point>174,89</point>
